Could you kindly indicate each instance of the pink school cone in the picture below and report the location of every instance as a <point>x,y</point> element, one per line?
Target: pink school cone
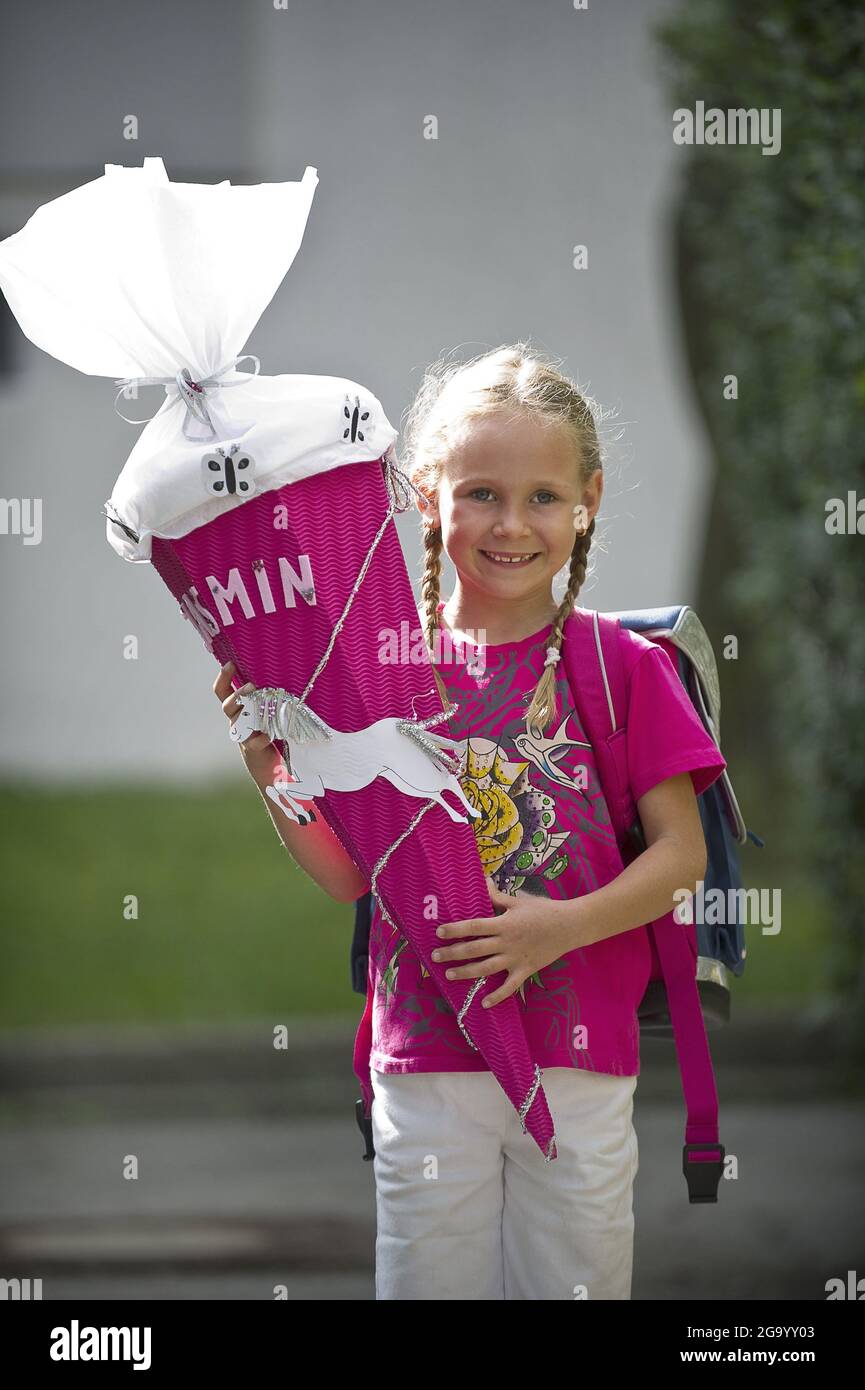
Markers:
<point>333,519</point>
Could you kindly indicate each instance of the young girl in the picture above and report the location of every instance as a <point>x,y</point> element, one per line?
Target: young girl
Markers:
<point>505,456</point>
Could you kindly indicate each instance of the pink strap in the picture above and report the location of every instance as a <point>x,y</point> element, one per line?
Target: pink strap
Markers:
<point>606,732</point>
<point>689,1030</point>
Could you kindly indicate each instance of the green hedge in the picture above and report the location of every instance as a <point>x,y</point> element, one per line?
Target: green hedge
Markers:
<point>771,259</point>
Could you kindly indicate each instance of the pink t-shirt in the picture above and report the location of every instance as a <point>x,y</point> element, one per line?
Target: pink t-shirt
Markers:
<point>544,829</point>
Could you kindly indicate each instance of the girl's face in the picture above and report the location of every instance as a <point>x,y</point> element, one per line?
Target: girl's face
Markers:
<point>509,490</point>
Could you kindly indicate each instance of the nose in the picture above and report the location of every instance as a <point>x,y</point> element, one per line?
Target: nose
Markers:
<point>510,522</point>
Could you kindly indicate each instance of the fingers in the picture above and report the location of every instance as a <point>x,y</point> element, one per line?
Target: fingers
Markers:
<point>231,706</point>
<point>225,692</point>
<point>502,902</point>
<point>498,996</point>
<point>222,686</point>
<point>466,950</point>
<point>491,966</point>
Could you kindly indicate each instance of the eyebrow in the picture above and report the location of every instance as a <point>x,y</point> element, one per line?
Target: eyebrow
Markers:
<point>492,482</point>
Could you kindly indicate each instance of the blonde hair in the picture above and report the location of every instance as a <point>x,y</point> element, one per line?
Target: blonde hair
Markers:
<point>513,379</point>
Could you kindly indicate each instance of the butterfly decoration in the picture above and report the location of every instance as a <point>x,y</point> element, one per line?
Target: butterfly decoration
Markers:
<point>356,418</point>
<point>229,473</point>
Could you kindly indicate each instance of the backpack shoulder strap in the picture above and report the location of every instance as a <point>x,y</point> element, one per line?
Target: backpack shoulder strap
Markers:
<point>595,651</point>
<point>596,675</point>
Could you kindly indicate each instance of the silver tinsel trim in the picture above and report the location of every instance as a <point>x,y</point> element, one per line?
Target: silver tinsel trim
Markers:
<point>282,715</point>
<point>415,729</point>
<point>349,601</point>
<point>386,856</point>
<point>399,484</point>
<point>435,718</point>
<point>527,1103</point>
<point>462,1013</point>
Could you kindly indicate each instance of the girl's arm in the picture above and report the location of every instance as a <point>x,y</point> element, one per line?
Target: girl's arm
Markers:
<point>314,847</point>
<point>675,859</point>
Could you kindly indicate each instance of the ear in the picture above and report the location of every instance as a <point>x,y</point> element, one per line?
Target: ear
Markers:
<point>591,498</point>
<point>428,510</point>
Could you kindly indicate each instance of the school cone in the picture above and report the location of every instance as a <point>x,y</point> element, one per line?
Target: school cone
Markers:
<point>156,283</point>
<point>333,520</point>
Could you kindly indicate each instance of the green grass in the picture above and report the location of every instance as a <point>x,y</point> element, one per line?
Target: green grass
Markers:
<point>228,926</point>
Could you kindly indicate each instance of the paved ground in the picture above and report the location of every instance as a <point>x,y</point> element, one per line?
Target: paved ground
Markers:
<point>251,1177</point>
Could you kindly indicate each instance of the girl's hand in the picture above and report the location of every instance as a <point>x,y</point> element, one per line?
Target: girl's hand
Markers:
<point>529,933</point>
<point>258,742</point>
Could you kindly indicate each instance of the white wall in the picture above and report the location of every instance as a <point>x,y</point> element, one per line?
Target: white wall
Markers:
<point>553,130</point>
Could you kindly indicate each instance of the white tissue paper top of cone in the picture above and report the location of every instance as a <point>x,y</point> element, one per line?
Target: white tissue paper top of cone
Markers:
<point>132,275</point>
<point>301,428</point>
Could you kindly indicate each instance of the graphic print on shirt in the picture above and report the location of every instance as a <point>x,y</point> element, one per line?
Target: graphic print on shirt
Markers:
<point>541,807</point>
<point>581,1011</point>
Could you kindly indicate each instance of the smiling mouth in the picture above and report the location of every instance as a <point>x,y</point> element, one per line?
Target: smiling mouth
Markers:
<point>512,561</point>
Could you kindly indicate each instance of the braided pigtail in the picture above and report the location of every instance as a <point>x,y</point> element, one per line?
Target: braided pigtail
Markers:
<point>430,588</point>
<point>544,706</point>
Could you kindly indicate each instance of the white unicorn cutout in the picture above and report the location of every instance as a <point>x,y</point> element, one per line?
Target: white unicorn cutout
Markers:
<point>414,760</point>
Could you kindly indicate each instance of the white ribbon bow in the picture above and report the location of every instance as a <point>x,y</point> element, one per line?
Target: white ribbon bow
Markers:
<point>191,392</point>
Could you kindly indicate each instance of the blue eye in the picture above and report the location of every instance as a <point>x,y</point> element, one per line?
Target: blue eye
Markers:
<point>543,492</point>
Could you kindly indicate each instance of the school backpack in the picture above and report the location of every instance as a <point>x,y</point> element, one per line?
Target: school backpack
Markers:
<point>692,963</point>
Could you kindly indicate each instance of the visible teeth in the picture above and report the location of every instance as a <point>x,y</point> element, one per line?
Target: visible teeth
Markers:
<point>509,559</point>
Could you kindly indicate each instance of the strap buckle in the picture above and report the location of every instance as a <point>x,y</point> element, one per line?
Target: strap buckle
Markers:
<point>364,1124</point>
<point>703,1175</point>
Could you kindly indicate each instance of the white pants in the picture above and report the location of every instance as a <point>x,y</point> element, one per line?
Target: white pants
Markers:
<point>467,1207</point>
